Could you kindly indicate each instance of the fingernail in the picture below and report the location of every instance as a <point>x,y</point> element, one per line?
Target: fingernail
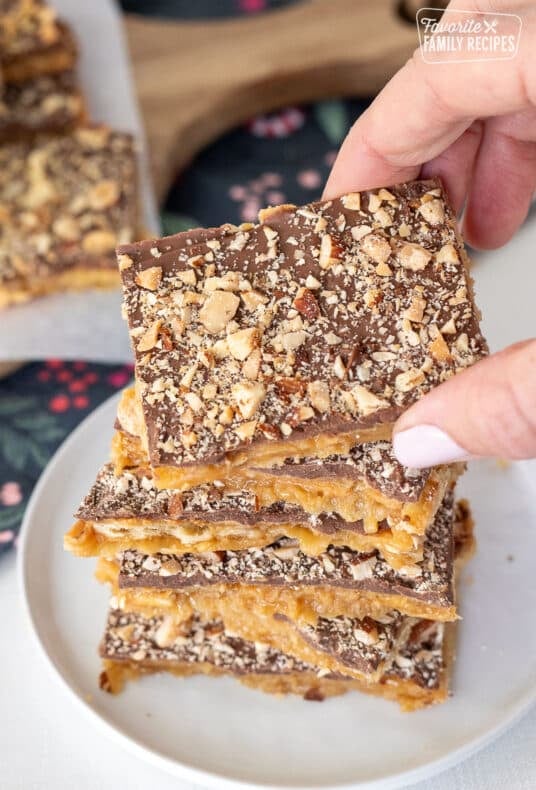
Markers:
<point>426,445</point>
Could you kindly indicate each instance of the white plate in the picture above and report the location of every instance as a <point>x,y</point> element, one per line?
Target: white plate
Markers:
<point>215,731</point>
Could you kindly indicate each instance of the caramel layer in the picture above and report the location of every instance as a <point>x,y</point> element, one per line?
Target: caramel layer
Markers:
<point>354,500</point>
<point>106,539</point>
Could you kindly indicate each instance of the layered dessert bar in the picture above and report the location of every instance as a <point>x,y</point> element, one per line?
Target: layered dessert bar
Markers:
<point>47,104</point>
<point>65,203</point>
<point>127,511</point>
<point>366,484</point>
<point>280,579</point>
<point>299,336</point>
<point>33,41</point>
<point>134,645</point>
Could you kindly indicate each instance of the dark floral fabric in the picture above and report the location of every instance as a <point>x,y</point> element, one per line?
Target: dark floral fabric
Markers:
<point>277,158</point>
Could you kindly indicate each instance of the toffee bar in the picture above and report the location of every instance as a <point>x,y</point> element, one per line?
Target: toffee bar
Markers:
<point>127,511</point>
<point>366,484</point>
<point>65,202</point>
<point>33,41</point>
<point>299,336</point>
<point>281,579</point>
<point>50,104</point>
<point>133,646</point>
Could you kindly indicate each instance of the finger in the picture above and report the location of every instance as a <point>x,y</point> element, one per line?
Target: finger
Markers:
<point>421,111</point>
<point>488,410</point>
<point>455,165</point>
<point>501,192</point>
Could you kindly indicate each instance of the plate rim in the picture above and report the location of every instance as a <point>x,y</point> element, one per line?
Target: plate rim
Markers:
<point>179,768</point>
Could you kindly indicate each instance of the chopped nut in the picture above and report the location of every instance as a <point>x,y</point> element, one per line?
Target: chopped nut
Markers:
<point>229,282</point>
<point>188,377</point>
<point>149,278</point>
<point>447,254</point>
<point>286,429</point>
<point>374,202</point>
<point>352,201</point>
<point>383,218</point>
<point>209,391</point>
<point>373,297</point>
<point>68,229</point>
<point>409,379</point>
<point>377,247</point>
<point>246,430</point>
<point>253,299</point>
<point>384,270</point>
<point>433,211</point>
<point>306,304</point>
<point>330,252</point>
<point>332,339</point>
<point>360,231</point>
<point>367,402</point>
<point>194,401</point>
<point>99,242</point>
<point>462,343</point>
<point>218,310</point>
<point>449,327</point>
<point>189,439</point>
<point>252,365</point>
<point>321,224</point>
<point>274,211</point>
<point>103,195</point>
<point>293,340</point>
<point>248,396</point>
<point>149,338</point>
<point>439,349</point>
<point>124,261</point>
<point>312,283</point>
<point>242,343</point>
<point>415,311</point>
<point>220,349</point>
<point>187,277</point>
<point>318,392</point>
<point>339,369</point>
<point>226,415</point>
<point>413,256</point>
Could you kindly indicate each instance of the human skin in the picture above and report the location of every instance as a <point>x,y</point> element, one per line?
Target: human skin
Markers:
<point>474,125</point>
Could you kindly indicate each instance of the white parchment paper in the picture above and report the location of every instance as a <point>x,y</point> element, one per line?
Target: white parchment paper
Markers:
<point>87,325</point>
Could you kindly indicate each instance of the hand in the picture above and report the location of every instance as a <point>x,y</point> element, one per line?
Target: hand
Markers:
<point>474,125</point>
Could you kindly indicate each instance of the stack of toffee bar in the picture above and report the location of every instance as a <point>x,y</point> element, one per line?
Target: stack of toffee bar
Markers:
<point>68,191</point>
<point>253,520</point>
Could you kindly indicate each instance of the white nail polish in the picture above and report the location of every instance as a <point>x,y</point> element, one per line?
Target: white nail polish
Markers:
<point>426,445</point>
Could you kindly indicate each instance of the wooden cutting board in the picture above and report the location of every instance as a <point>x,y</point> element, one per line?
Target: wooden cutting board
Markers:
<point>196,80</point>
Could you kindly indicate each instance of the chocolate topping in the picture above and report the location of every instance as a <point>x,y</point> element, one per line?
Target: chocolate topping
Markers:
<point>372,462</point>
<point>322,319</point>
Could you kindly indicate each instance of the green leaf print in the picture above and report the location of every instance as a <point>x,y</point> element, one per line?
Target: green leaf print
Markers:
<point>332,117</point>
<point>11,517</point>
<point>176,223</point>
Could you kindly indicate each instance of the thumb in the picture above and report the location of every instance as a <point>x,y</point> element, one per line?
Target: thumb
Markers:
<point>488,410</point>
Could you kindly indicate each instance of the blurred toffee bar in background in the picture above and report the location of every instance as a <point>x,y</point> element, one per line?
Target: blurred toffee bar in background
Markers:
<point>65,202</point>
